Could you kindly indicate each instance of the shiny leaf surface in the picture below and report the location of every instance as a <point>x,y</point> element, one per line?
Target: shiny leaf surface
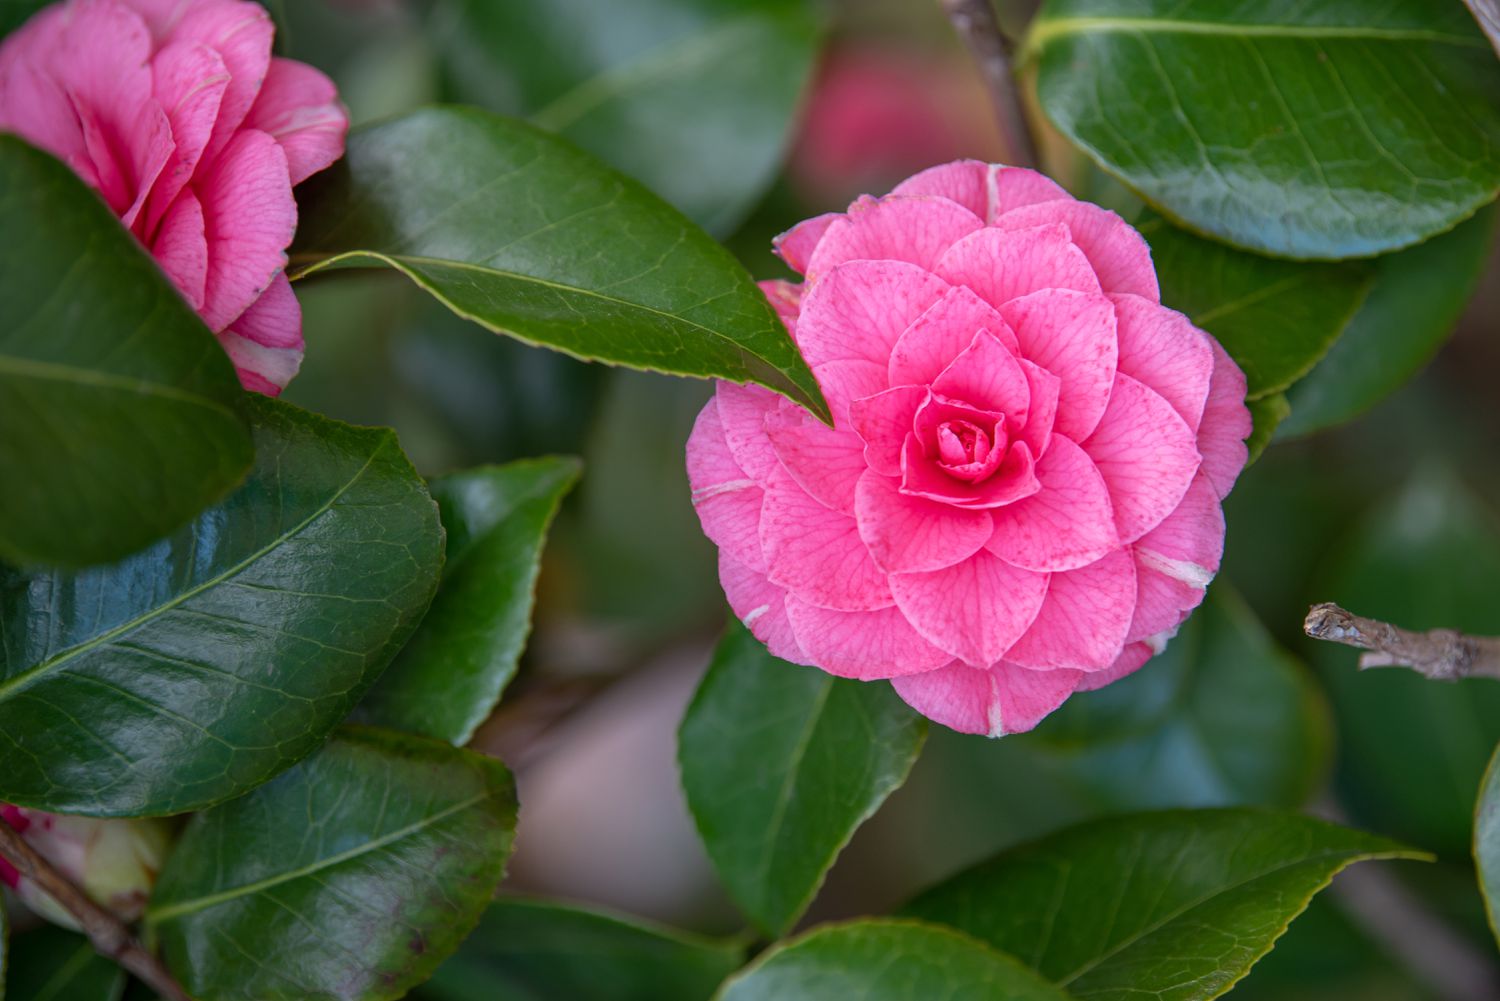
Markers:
<point>1356,128</point>
<point>528,950</point>
<point>1487,841</point>
<point>622,81</point>
<point>202,666</point>
<point>448,678</point>
<point>118,405</point>
<point>527,236</point>
<point>352,876</point>
<point>52,964</point>
<point>1172,906</point>
<point>780,764</point>
<point>886,960</point>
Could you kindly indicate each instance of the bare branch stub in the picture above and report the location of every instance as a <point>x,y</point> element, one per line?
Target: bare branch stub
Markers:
<point>975,22</point>
<point>1440,654</point>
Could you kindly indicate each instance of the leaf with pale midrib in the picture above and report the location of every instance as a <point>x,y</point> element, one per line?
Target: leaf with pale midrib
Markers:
<point>1323,130</point>
<point>528,236</point>
<point>1175,905</point>
<point>352,876</point>
<point>202,666</point>
<point>118,416</point>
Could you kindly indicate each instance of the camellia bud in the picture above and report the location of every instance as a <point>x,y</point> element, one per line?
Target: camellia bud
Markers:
<point>115,862</point>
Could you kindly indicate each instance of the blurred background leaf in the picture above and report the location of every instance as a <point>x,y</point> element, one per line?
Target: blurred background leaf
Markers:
<point>52,964</point>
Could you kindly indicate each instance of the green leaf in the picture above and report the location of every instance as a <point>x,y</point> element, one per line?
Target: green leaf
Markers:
<point>1413,305</point>
<point>1268,412</point>
<point>886,960</point>
<point>448,678</point>
<point>199,668</point>
<point>51,964</point>
<point>1356,129</point>
<point>1487,840</point>
<point>118,405</point>
<point>352,876</point>
<point>538,950</point>
<point>694,98</point>
<point>1176,905</point>
<point>781,764</point>
<point>525,235</point>
<point>1275,318</point>
<point>13,13</point>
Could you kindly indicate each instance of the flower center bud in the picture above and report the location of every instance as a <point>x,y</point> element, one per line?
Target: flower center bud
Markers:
<point>964,450</point>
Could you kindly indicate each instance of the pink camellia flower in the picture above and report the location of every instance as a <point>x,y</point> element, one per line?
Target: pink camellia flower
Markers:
<point>176,112</point>
<point>1020,495</point>
<point>115,862</point>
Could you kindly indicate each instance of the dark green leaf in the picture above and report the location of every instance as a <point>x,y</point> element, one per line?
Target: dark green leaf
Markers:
<point>538,950</point>
<point>524,234</point>
<point>118,405</point>
<point>781,764</point>
<point>1355,128</point>
<point>352,876</point>
<point>1487,13</point>
<point>1275,318</point>
<point>13,13</point>
<point>886,960</point>
<point>1416,299</point>
<point>1268,412</point>
<point>1428,558</point>
<point>448,678</point>
<point>694,98</point>
<point>1487,840</point>
<point>51,964</point>
<point>199,668</point>
<point>1175,905</point>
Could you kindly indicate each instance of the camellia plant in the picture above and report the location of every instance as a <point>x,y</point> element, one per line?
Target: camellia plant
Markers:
<point>1050,280</point>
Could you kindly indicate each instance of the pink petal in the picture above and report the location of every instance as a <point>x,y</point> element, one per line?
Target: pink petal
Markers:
<point>883,422</point>
<point>249,217</point>
<point>797,244</point>
<point>743,409</point>
<point>816,553</point>
<point>1131,659</point>
<point>1071,335</point>
<point>181,248</point>
<point>265,342</point>
<point>1085,616</point>
<point>975,610</point>
<point>728,501</point>
<point>863,645</point>
<point>1146,455</point>
<point>189,80</point>
<point>33,102</point>
<point>1226,423</point>
<point>844,382</point>
<point>988,375</point>
<point>299,107</point>
<point>907,534</point>
<point>1014,480</point>
<point>241,33</point>
<point>1177,559</point>
<point>825,462</point>
<point>761,606</point>
<point>859,309</point>
<point>915,230</point>
<point>1161,348</point>
<point>786,298</point>
<point>941,334</point>
<point>1119,256</point>
<point>1044,389</point>
<point>986,189</point>
<point>1001,266</point>
<point>1067,524</point>
<point>1001,700</point>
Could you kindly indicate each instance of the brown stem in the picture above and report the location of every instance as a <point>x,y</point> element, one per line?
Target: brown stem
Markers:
<point>1441,654</point>
<point>975,22</point>
<point>109,935</point>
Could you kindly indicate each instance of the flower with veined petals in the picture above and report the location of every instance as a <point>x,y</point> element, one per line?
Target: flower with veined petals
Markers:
<point>177,114</point>
<point>1020,495</point>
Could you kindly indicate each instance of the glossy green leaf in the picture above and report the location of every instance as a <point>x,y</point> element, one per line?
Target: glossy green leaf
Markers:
<point>204,665</point>
<point>52,964</point>
<point>352,876</point>
<point>1275,318</point>
<point>1428,557</point>
<point>538,950</point>
<point>118,405</point>
<point>1487,840</point>
<point>1355,128</point>
<point>1413,305</point>
<point>693,98</point>
<point>886,960</point>
<point>781,764</point>
<point>448,678</point>
<point>1268,412</point>
<point>527,236</point>
<point>1174,906</point>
